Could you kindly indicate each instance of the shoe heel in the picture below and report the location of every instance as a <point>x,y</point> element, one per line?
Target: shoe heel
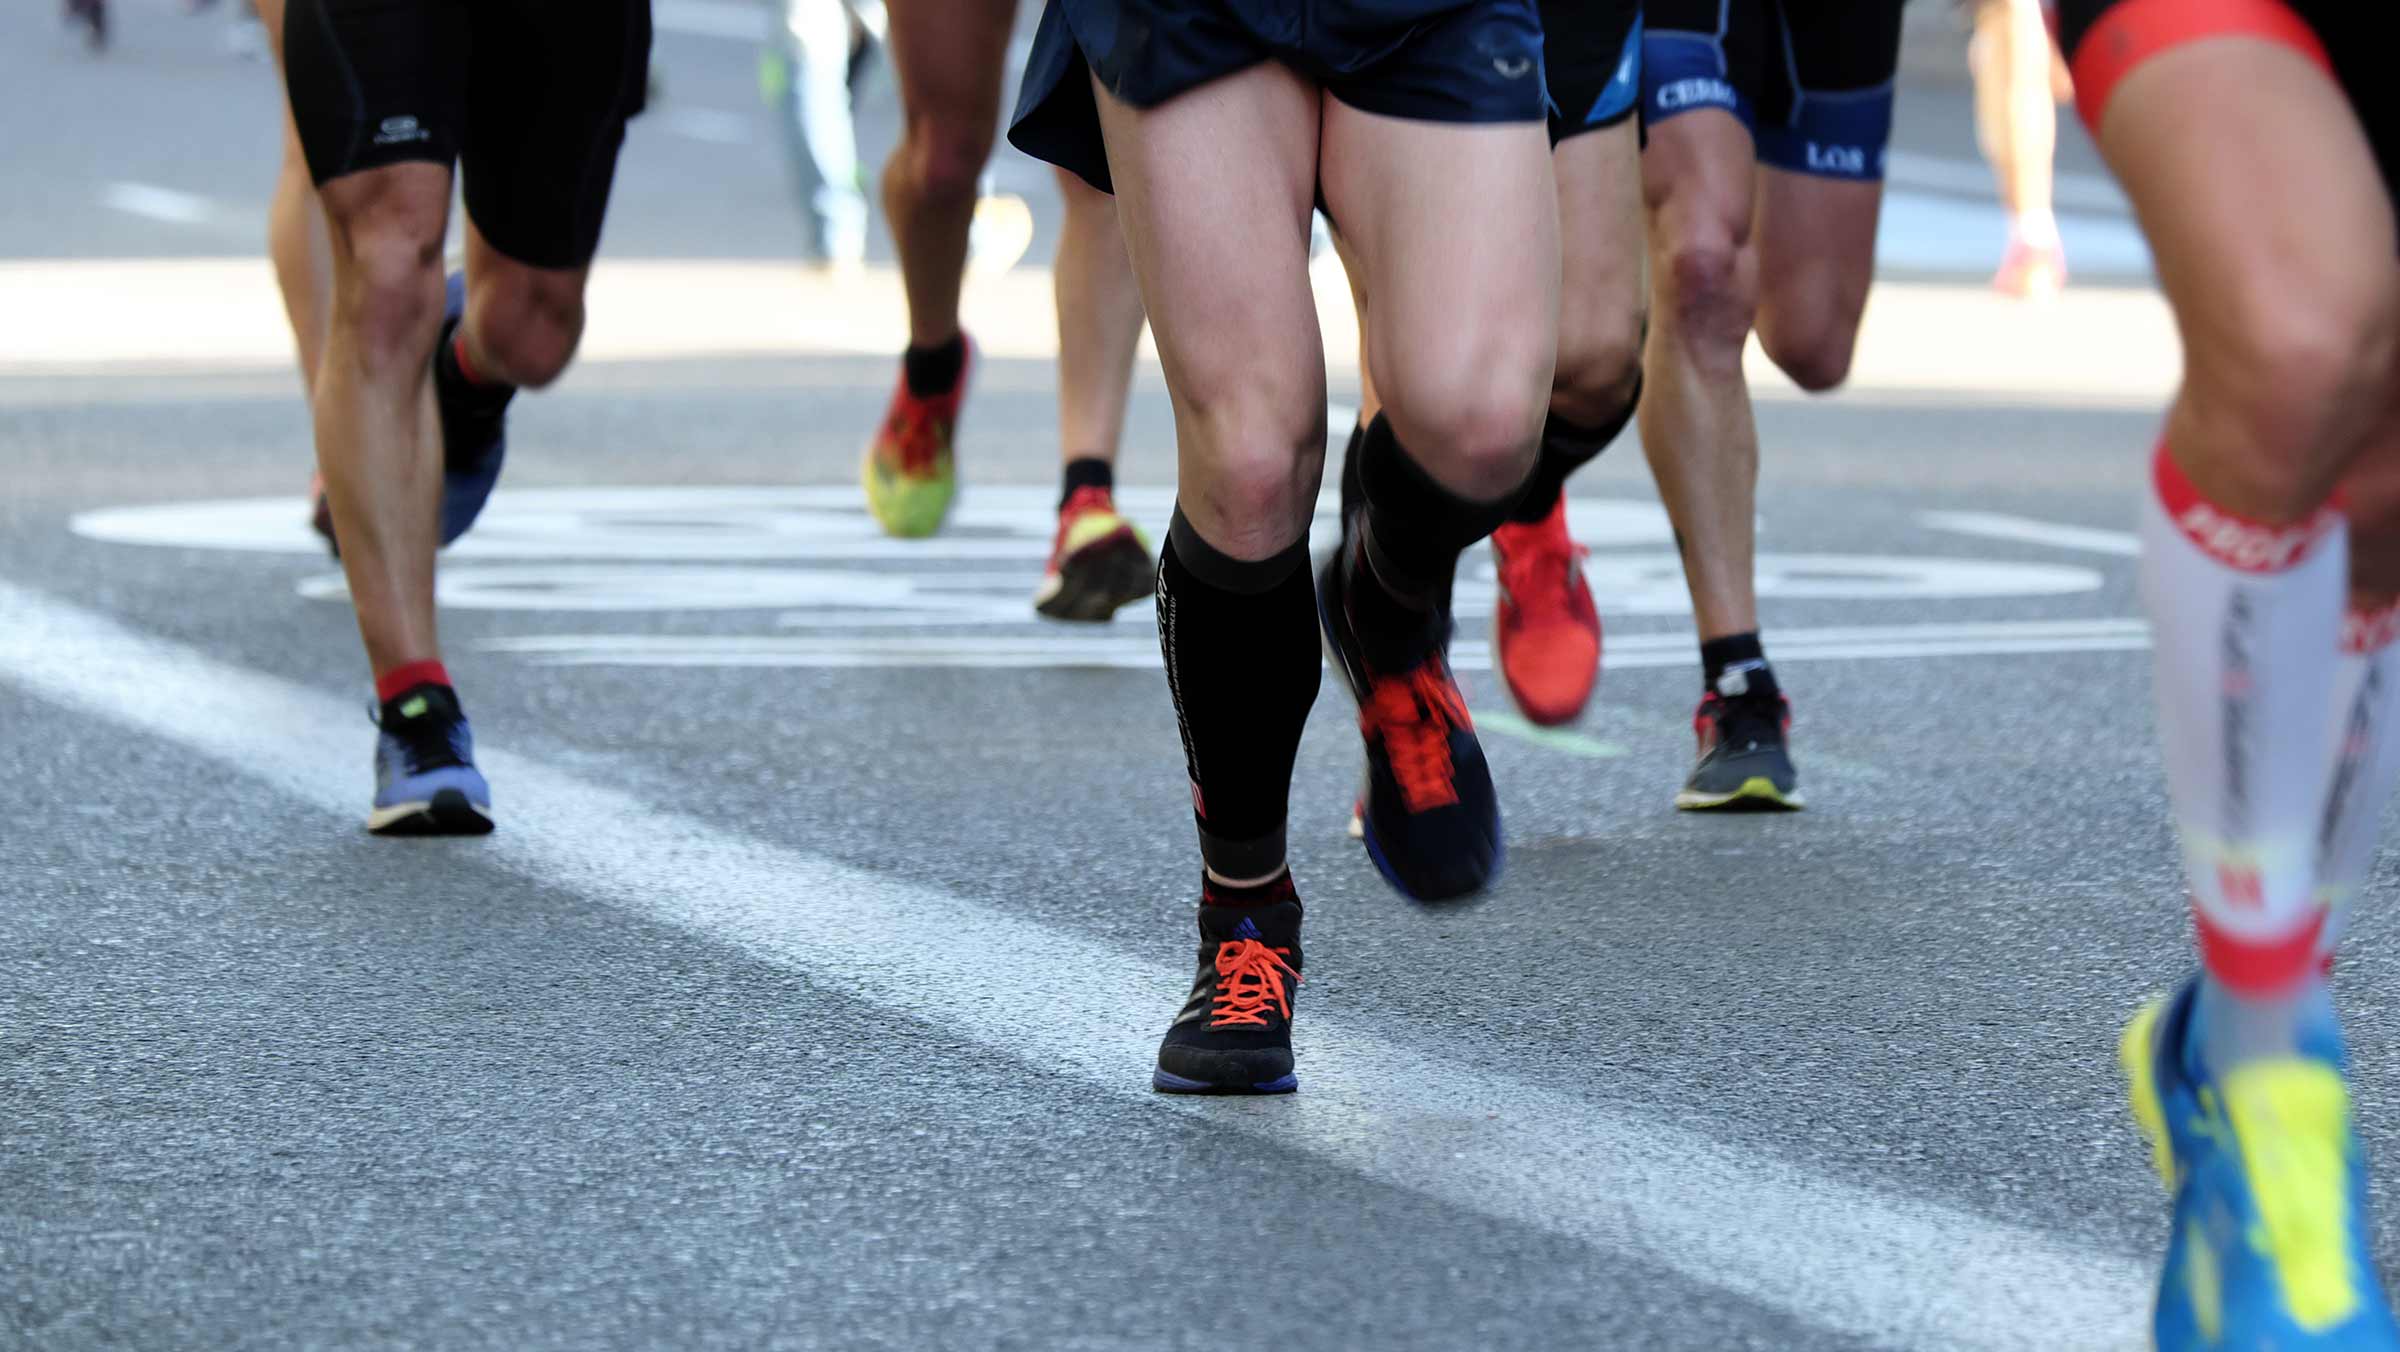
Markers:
<point>2136,1050</point>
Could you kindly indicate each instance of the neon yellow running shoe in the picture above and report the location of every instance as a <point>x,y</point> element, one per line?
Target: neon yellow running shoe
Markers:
<point>2270,1243</point>
<point>909,473</point>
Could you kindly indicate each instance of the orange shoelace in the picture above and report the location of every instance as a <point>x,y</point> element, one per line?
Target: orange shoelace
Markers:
<point>1250,983</point>
<point>1413,716</point>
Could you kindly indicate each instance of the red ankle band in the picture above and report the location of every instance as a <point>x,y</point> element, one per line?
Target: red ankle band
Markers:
<point>408,676</point>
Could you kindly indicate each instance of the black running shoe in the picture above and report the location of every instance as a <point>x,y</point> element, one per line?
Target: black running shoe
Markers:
<point>1234,1035</point>
<point>1744,763</point>
<point>1428,814</point>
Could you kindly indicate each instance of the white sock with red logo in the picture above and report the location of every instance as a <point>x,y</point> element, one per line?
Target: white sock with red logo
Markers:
<point>2246,621</point>
<point>2365,760</point>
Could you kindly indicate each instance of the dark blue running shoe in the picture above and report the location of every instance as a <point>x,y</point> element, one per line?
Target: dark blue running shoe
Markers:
<point>426,783</point>
<point>1234,1035</point>
<point>474,425</point>
<point>474,436</point>
<point>1429,815</point>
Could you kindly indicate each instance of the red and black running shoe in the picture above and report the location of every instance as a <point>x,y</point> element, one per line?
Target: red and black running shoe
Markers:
<point>1429,815</point>
<point>1234,1035</point>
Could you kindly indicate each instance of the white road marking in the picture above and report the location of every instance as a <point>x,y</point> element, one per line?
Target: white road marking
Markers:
<point>1894,1270</point>
<point>1138,651</point>
<point>1998,526</point>
<point>159,204</point>
<point>712,125</point>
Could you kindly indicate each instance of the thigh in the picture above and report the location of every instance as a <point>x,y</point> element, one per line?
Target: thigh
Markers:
<point>1214,188</point>
<point>950,56</point>
<point>1455,229</point>
<point>1600,225</point>
<point>1825,108</point>
<point>550,87</point>
<point>1816,252</point>
<point>374,83</point>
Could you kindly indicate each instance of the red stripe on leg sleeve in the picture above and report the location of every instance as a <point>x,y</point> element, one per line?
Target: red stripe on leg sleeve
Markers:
<point>2230,538</point>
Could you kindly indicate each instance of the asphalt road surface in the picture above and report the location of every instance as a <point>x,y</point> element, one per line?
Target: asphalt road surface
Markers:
<point>807,995</point>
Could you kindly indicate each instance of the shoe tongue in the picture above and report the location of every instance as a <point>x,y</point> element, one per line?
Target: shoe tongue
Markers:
<point>1269,923</point>
<point>430,700</point>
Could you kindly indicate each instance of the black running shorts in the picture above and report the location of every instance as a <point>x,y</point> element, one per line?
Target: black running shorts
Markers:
<point>2106,39</point>
<point>1592,62</point>
<point>1432,60</point>
<point>528,97</point>
<point>1811,79</point>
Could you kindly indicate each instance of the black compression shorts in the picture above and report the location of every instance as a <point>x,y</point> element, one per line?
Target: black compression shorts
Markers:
<point>529,97</point>
<point>1811,79</point>
<point>1592,62</point>
<point>1432,60</point>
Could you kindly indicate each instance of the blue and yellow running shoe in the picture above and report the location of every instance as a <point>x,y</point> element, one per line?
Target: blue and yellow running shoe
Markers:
<point>426,783</point>
<point>2270,1246</point>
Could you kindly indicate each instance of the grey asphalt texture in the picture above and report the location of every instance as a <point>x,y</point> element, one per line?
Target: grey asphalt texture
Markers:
<point>266,1082</point>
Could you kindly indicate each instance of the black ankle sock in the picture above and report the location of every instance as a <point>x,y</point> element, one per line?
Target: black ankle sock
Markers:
<point>1566,448</point>
<point>1240,641</point>
<point>934,370</point>
<point>1085,471</point>
<point>1743,659</point>
<point>1275,889</point>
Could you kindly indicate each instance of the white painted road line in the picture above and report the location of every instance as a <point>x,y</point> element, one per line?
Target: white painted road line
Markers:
<point>155,203</point>
<point>2026,530</point>
<point>1886,1268</point>
<point>1137,652</point>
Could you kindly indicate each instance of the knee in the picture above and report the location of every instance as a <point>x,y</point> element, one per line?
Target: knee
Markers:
<point>2297,378</point>
<point>1812,343</point>
<point>1476,432</point>
<point>1599,365</point>
<point>1708,284</point>
<point>1259,460</point>
<point>527,327</point>
<point>945,151</point>
<point>391,300</point>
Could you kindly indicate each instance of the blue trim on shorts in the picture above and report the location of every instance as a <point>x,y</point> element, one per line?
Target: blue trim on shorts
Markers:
<point>1624,88</point>
<point>1684,72</point>
<point>1832,135</point>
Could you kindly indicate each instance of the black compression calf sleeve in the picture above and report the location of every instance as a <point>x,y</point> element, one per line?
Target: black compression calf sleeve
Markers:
<point>1566,448</point>
<point>1240,641</point>
<point>1415,528</point>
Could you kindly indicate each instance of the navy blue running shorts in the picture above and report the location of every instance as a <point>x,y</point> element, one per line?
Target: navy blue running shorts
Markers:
<point>1592,63</point>
<point>1432,60</point>
<point>1811,79</point>
<point>528,97</point>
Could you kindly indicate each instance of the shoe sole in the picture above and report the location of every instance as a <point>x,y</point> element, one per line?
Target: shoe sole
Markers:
<point>447,813</point>
<point>2136,1052</point>
<point>1756,794</point>
<point>1166,1082</point>
<point>1098,580</point>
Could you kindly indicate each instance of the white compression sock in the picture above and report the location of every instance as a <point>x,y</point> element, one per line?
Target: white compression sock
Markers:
<point>2246,619</point>
<point>2364,756</point>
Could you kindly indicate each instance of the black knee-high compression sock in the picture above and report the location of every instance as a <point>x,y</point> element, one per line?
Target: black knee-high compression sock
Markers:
<point>1240,640</point>
<point>1410,536</point>
<point>1566,448</point>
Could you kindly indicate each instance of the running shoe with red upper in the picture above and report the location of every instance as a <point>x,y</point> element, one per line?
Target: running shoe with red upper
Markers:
<point>1428,814</point>
<point>1546,631</point>
<point>1234,1035</point>
<point>1098,562</point>
<point>909,473</point>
